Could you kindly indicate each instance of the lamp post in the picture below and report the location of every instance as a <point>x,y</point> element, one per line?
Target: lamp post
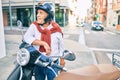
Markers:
<point>34,10</point>
<point>10,14</point>
<point>64,16</point>
<point>53,2</point>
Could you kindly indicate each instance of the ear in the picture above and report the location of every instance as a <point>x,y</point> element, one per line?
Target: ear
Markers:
<point>48,18</point>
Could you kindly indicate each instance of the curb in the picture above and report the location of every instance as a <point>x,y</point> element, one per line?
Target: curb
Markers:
<point>112,29</point>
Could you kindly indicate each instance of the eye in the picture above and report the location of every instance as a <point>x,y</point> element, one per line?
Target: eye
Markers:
<point>39,12</point>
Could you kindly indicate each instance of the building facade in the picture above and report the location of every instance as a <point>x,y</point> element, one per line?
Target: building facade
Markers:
<point>14,10</point>
<point>98,11</point>
<point>91,12</point>
<point>111,15</point>
<point>116,10</point>
<point>102,10</point>
<point>106,11</point>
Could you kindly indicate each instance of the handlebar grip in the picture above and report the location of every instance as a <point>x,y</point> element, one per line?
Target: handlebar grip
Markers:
<point>59,67</point>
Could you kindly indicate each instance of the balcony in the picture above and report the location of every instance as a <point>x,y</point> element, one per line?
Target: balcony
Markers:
<point>103,10</point>
<point>116,6</point>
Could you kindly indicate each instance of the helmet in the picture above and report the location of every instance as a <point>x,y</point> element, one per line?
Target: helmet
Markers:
<point>48,9</point>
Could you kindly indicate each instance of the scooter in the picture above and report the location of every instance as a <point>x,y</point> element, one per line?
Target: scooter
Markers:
<point>28,57</point>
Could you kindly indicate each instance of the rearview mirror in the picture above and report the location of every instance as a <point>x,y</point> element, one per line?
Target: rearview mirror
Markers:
<point>69,55</point>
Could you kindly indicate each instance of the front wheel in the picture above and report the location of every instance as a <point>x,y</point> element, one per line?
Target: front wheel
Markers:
<point>102,29</point>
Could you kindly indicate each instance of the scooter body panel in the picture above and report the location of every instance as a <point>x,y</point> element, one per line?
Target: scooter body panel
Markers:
<point>15,74</point>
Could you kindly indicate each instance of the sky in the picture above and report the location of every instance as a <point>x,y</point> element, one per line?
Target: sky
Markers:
<point>83,6</point>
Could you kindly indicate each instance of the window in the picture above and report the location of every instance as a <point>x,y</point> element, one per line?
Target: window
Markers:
<point>119,20</point>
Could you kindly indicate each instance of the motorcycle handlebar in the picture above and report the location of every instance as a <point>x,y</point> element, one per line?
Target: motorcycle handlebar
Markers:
<point>45,61</point>
<point>59,67</point>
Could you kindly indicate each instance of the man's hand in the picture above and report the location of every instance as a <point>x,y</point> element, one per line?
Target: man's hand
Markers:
<point>44,44</point>
<point>62,63</point>
<point>47,48</point>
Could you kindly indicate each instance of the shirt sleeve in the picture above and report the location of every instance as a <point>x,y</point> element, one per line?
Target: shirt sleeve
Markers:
<point>29,36</point>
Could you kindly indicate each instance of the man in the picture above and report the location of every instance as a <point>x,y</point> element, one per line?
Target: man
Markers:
<point>46,36</point>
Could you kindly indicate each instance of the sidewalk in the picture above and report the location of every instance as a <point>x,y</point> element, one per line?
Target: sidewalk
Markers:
<point>84,56</point>
<point>112,29</point>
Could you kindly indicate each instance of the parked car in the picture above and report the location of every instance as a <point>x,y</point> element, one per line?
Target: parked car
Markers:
<point>80,24</point>
<point>98,26</point>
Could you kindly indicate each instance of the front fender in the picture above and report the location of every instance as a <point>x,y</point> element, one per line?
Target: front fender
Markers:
<point>15,74</point>
<point>27,72</point>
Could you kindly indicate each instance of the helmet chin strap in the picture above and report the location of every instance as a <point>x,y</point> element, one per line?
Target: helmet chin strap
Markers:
<point>41,24</point>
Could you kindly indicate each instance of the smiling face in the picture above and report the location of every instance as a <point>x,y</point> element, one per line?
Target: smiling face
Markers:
<point>41,15</point>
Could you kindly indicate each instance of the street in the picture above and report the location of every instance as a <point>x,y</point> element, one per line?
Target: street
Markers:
<point>102,43</point>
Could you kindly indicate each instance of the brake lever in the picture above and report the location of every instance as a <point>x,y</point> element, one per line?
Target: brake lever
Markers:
<point>58,66</point>
<point>43,60</point>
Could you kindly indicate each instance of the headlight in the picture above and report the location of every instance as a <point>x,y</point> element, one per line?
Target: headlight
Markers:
<point>23,57</point>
